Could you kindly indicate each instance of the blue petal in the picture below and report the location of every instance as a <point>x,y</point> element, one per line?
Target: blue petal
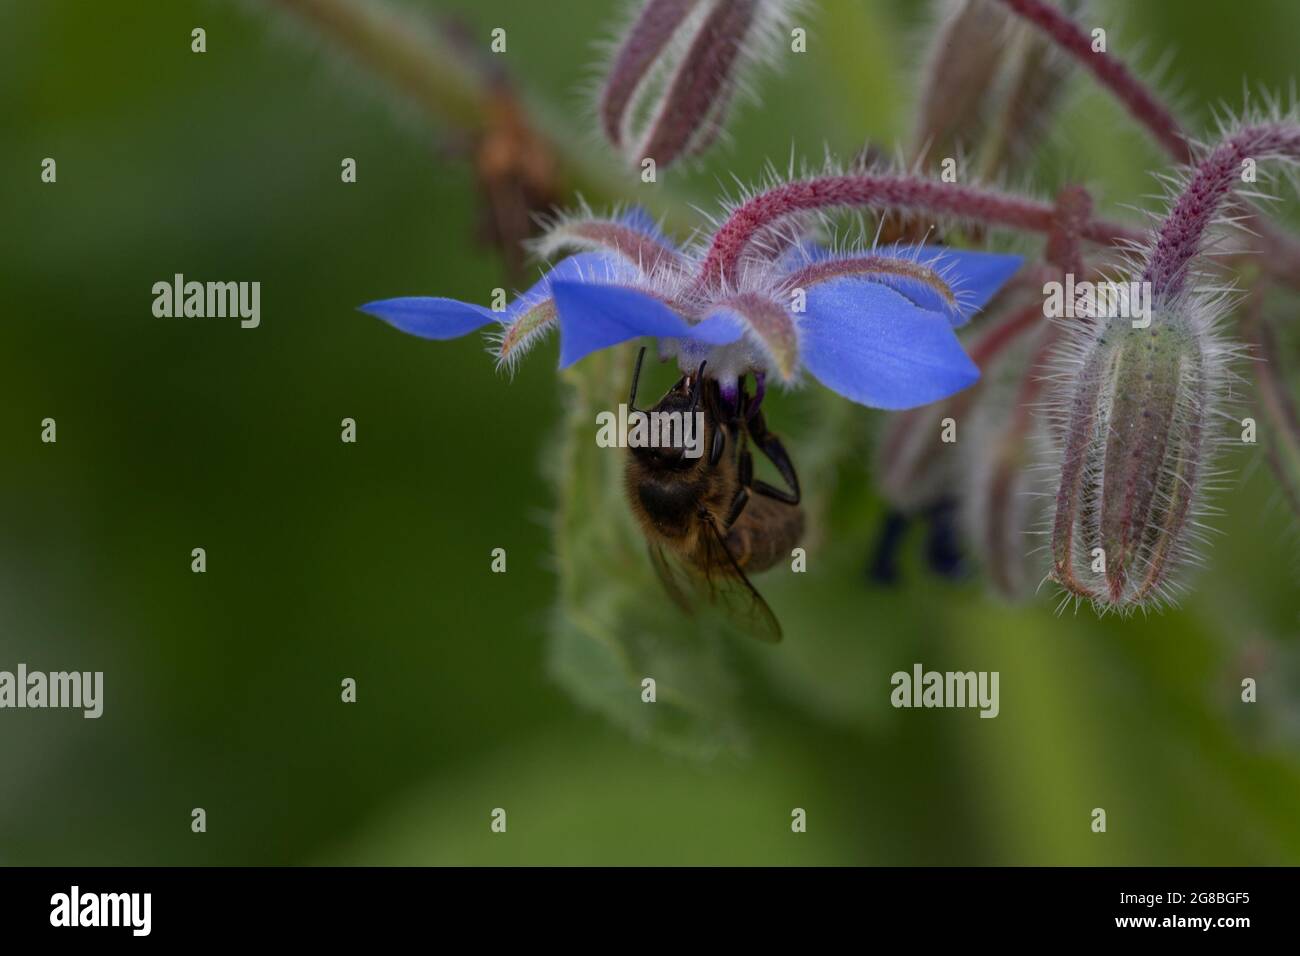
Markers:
<point>974,276</point>
<point>583,267</point>
<point>876,347</point>
<point>594,317</point>
<point>431,318</point>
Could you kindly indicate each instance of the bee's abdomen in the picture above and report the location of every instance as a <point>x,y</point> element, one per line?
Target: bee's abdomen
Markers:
<point>670,507</point>
<point>766,532</point>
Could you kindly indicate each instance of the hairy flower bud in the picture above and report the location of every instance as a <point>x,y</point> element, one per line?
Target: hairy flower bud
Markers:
<point>960,69</point>
<point>1135,442</point>
<point>1004,439</point>
<point>1037,81</point>
<point>1141,390</point>
<point>677,70</point>
<point>989,86</point>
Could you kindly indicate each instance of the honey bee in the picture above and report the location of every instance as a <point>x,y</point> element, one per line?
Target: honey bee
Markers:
<point>708,521</point>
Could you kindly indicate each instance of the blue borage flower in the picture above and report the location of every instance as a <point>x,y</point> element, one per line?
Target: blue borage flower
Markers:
<point>876,327</point>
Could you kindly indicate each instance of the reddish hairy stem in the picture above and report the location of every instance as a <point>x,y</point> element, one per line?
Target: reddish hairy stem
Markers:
<point>1183,231</point>
<point>1071,214</point>
<point>1112,73</point>
<point>1283,259</point>
<point>881,191</point>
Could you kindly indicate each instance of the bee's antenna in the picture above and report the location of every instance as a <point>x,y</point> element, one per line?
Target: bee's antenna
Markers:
<point>636,376</point>
<point>696,385</point>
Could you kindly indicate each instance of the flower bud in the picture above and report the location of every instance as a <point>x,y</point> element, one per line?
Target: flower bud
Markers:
<point>1135,448</point>
<point>1038,73</point>
<point>1004,439</point>
<point>961,67</point>
<point>670,86</point>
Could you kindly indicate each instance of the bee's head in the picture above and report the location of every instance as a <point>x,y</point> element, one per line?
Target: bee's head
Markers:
<point>678,425</point>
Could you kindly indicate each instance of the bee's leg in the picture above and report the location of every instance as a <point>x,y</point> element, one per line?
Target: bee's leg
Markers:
<point>746,476</point>
<point>737,506</point>
<point>715,403</point>
<point>719,443</point>
<point>697,386</point>
<point>713,411</point>
<point>636,377</point>
<point>776,453</point>
<point>760,389</point>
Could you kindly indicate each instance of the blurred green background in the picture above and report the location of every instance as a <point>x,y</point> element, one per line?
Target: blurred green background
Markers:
<point>371,560</point>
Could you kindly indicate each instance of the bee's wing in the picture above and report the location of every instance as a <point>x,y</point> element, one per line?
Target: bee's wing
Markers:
<point>728,586</point>
<point>674,578</point>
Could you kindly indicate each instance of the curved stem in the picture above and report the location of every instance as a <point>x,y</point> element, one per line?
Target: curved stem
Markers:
<point>1282,250</point>
<point>1181,234</point>
<point>991,208</point>
<point>1113,73</point>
